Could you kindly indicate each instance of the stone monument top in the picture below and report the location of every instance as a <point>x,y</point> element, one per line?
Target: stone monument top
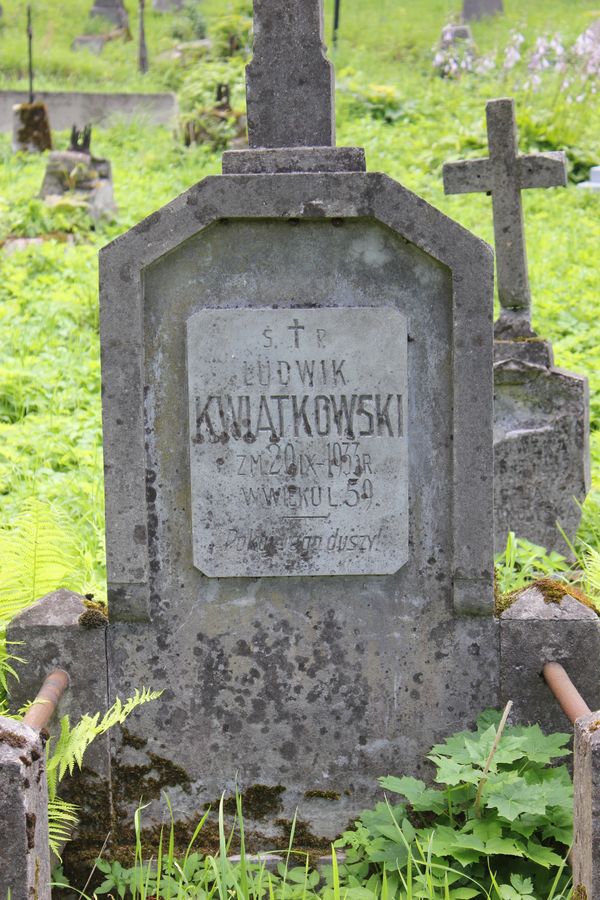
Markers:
<point>290,95</point>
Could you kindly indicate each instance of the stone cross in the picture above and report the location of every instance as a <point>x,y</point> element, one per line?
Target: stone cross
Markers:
<point>504,175</point>
<point>290,83</point>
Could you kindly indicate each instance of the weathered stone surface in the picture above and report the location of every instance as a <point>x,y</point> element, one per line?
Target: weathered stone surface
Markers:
<point>113,10</point>
<point>594,181</point>
<point>31,128</point>
<point>542,627</point>
<point>83,178</point>
<point>24,850</point>
<point>586,806</point>
<point>167,5</point>
<point>504,175</point>
<point>298,447</point>
<point>294,159</point>
<point>290,83</point>
<point>478,9</point>
<point>294,685</point>
<point>541,452</point>
<point>92,42</point>
<point>53,634</point>
<point>291,670</point>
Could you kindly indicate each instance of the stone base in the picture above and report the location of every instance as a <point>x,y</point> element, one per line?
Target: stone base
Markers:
<point>594,183</point>
<point>294,159</point>
<point>81,176</point>
<point>59,632</point>
<point>544,624</point>
<point>541,444</point>
<point>31,128</point>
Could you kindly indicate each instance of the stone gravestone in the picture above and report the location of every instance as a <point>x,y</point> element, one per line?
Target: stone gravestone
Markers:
<point>297,381</point>
<point>479,9</point>
<point>541,434</point>
<point>76,174</point>
<point>113,10</point>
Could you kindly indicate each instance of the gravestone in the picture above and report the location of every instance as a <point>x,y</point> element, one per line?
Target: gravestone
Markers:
<point>113,10</point>
<point>454,34</point>
<point>76,174</point>
<point>297,400</point>
<point>541,433</point>
<point>479,9</point>
<point>297,382</point>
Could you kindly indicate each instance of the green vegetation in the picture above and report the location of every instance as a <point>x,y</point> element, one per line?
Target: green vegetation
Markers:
<point>392,101</point>
<point>498,826</point>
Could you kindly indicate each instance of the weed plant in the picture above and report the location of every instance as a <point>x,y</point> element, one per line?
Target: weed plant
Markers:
<point>498,825</point>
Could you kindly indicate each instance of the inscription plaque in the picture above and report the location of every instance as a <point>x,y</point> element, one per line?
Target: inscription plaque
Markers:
<point>298,445</point>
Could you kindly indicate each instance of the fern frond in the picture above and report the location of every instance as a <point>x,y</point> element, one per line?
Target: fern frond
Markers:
<point>68,752</point>
<point>62,819</point>
<point>38,554</point>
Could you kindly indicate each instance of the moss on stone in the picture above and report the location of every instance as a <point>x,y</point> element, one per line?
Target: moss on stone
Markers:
<point>321,795</point>
<point>258,801</point>
<point>552,591</point>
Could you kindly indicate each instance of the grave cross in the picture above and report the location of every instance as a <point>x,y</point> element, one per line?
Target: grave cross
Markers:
<point>289,83</point>
<point>504,175</point>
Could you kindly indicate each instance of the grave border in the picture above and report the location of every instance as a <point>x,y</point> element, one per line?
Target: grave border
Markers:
<point>296,196</point>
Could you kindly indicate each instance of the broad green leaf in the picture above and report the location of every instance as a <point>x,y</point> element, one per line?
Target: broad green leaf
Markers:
<point>420,797</point>
<point>541,855</point>
<point>514,798</point>
<point>453,773</point>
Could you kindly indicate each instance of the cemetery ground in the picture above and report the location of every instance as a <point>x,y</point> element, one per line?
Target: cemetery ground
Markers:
<point>410,121</point>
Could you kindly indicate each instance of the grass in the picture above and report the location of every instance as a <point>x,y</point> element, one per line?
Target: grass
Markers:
<point>389,101</point>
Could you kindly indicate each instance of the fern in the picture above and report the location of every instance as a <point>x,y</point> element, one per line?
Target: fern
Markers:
<point>68,752</point>
<point>73,741</point>
<point>62,819</point>
<point>38,554</point>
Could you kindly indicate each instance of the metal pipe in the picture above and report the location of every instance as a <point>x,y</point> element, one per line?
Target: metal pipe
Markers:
<point>572,703</point>
<point>42,709</point>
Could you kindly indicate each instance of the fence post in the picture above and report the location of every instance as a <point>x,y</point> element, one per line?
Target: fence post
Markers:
<point>24,851</point>
<point>586,808</point>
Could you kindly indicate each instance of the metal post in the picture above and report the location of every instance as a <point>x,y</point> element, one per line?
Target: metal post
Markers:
<point>336,21</point>
<point>42,709</point>
<point>572,703</point>
<point>30,51</point>
<point>143,50</point>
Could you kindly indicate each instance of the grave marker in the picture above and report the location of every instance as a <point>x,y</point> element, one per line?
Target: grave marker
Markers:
<point>541,435</point>
<point>296,337</point>
<point>504,174</point>
<point>113,10</point>
<point>479,9</point>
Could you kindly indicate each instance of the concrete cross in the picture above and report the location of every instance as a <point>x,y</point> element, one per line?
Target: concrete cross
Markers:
<point>504,175</point>
<point>289,83</point>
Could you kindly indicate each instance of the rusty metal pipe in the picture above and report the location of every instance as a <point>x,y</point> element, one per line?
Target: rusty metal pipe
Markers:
<point>572,703</point>
<point>42,709</point>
